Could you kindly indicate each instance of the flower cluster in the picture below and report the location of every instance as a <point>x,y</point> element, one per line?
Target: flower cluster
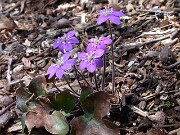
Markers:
<point>64,63</point>
<point>91,59</point>
<point>65,42</point>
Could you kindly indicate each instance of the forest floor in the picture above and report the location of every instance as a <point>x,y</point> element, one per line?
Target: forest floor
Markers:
<point>147,68</point>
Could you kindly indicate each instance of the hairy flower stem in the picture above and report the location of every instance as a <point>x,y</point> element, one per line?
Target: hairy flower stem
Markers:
<point>104,71</point>
<point>91,77</point>
<point>72,90</point>
<point>96,81</point>
<point>77,77</point>
<point>83,78</point>
<point>56,87</point>
<point>112,51</point>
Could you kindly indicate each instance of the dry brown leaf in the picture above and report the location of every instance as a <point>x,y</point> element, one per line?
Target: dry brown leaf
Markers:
<point>26,62</point>
<point>6,23</point>
<point>159,117</point>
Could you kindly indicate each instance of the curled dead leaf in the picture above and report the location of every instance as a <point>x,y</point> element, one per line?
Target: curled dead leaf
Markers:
<point>159,117</point>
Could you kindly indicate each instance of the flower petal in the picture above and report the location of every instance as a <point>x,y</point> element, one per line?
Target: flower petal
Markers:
<point>82,55</point>
<point>61,48</point>
<point>91,68</point>
<point>106,40</point>
<point>101,19</point>
<point>51,71</point>
<point>59,73</point>
<point>115,20</point>
<point>99,62</point>
<point>102,46</point>
<point>57,43</point>
<point>91,40</point>
<point>65,57</point>
<point>90,48</point>
<point>118,13</point>
<point>68,64</point>
<point>98,53</point>
<point>70,33</point>
<point>74,40</point>
<point>67,46</point>
<point>83,65</point>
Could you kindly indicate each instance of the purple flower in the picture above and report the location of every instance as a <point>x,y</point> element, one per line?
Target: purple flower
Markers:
<point>64,63</point>
<point>91,60</point>
<point>95,43</point>
<point>65,42</point>
<point>110,14</point>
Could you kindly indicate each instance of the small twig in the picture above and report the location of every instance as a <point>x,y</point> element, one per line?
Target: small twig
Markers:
<point>169,125</point>
<point>8,73</point>
<point>139,111</point>
<point>7,108</point>
<point>155,94</point>
<point>139,44</point>
<point>12,8</point>
<point>174,131</point>
<point>154,11</point>
<point>172,65</point>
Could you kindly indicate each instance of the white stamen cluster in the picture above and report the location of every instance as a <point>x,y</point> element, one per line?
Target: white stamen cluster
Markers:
<point>90,57</point>
<point>108,11</point>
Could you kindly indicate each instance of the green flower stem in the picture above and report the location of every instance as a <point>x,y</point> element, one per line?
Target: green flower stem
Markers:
<point>96,81</point>
<point>112,51</point>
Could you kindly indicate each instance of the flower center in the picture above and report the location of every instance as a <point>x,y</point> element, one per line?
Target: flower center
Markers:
<point>59,63</point>
<point>96,41</point>
<point>90,58</point>
<point>63,39</point>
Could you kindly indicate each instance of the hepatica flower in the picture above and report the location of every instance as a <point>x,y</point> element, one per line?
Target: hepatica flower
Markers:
<point>95,43</point>
<point>91,60</point>
<point>65,42</point>
<point>64,63</point>
<point>110,14</point>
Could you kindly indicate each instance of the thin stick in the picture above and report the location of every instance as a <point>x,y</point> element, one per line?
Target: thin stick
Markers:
<point>112,51</point>
<point>7,108</point>
<point>70,86</point>
<point>77,76</point>
<point>96,81</point>
<point>8,72</point>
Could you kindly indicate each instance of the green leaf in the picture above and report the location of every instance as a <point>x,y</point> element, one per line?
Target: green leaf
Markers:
<point>97,104</point>
<point>91,126</point>
<point>38,86</point>
<point>86,90</point>
<point>21,97</point>
<point>63,101</point>
<point>23,122</point>
<point>57,124</point>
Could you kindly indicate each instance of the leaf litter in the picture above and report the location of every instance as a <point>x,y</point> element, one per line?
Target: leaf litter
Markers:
<point>147,61</point>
